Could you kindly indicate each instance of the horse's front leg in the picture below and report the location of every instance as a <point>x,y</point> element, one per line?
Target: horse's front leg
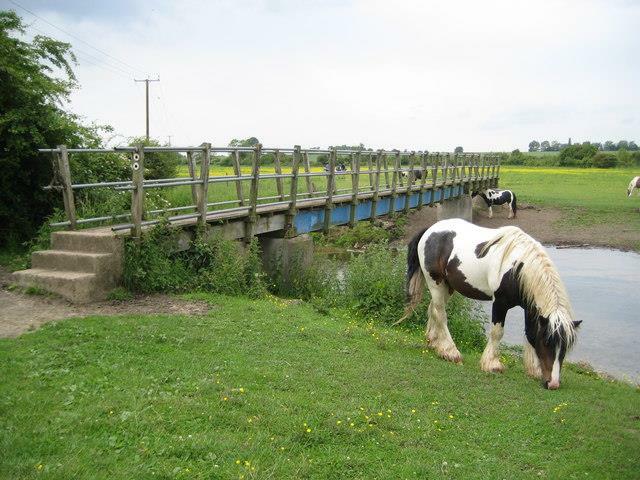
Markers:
<point>490,360</point>
<point>438,336</point>
<point>490,211</point>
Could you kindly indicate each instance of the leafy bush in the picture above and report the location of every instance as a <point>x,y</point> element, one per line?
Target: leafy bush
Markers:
<point>576,154</point>
<point>213,265</point>
<point>158,164</point>
<point>624,158</point>
<point>604,160</point>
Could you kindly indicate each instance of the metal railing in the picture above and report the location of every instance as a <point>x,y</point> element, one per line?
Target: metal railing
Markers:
<point>389,172</point>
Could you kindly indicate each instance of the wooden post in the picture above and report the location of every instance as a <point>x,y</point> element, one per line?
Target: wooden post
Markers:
<point>67,189</point>
<point>376,187</point>
<point>203,196</point>
<point>410,179</point>
<point>386,171</point>
<point>445,167</point>
<point>394,182</point>
<point>293,197</point>
<point>137,195</point>
<point>370,165</point>
<point>355,187</point>
<point>238,171</point>
<point>476,169</point>
<point>423,179</point>
<point>191,163</point>
<point>454,172</point>
<point>253,195</point>
<point>278,169</point>
<point>331,179</point>
<point>307,169</point>
<point>483,172</point>
<point>498,172</point>
<point>434,178</point>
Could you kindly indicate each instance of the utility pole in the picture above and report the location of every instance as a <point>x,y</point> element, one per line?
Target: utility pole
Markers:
<point>146,81</point>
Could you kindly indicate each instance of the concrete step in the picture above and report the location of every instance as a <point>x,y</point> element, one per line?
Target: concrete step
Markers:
<point>78,287</point>
<point>66,260</point>
<point>93,241</point>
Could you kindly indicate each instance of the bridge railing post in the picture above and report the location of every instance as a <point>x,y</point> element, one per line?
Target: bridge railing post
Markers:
<point>253,194</point>
<point>331,178</point>
<point>423,181</point>
<point>64,172</point>
<point>410,180</point>
<point>293,194</point>
<point>376,187</point>
<point>191,164</point>
<point>454,171</point>
<point>355,187</point>
<point>498,172</point>
<point>445,167</point>
<point>370,167</point>
<point>278,170</point>
<point>394,182</point>
<point>385,166</point>
<point>434,178</point>
<point>238,172</point>
<point>307,170</point>
<point>137,194</point>
<point>204,185</point>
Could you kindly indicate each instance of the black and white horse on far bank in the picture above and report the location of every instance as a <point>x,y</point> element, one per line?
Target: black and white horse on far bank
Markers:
<point>633,184</point>
<point>493,196</point>
<point>503,265</point>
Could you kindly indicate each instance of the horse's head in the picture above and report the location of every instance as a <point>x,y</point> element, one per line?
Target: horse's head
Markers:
<point>551,346</point>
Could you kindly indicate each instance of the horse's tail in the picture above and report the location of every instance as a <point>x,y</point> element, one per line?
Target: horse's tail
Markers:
<point>415,279</point>
<point>514,207</point>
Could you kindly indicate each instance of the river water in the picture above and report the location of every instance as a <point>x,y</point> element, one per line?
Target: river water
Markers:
<point>604,287</point>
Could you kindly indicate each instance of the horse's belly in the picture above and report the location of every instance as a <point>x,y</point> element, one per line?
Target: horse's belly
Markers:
<point>470,284</point>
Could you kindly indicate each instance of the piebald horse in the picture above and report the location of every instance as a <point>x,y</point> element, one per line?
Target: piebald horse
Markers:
<point>634,183</point>
<point>493,196</point>
<point>504,265</point>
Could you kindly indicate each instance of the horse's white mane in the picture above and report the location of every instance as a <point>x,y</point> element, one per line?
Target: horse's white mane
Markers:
<point>539,280</point>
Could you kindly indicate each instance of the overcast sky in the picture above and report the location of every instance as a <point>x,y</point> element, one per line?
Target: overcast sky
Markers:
<point>416,74</point>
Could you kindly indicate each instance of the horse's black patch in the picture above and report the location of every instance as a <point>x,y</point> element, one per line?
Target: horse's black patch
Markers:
<point>507,295</point>
<point>458,281</point>
<point>437,250</point>
<point>481,246</point>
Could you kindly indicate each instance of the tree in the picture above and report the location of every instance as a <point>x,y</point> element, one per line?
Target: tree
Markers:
<point>247,142</point>
<point>609,146</point>
<point>632,146</point>
<point>534,146</point>
<point>624,158</point>
<point>35,79</point>
<point>598,145</point>
<point>458,150</point>
<point>555,146</point>
<point>623,144</point>
<point>545,146</point>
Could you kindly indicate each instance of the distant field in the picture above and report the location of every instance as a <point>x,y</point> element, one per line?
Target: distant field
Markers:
<point>587,195</point>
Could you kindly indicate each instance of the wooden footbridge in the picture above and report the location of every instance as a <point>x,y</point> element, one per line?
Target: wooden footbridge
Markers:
<point>292,198</point>
<point>381,182</point>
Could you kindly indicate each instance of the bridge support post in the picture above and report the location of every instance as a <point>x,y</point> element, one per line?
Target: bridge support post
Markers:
<point>459,207</point>
<point>284,259</point>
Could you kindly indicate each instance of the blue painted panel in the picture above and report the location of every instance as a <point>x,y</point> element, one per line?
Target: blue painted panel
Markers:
<point>340,214</point>
<point>383,206</point>
<point>310,220</point>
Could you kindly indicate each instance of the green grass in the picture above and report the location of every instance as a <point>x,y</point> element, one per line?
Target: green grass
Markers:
<point>273,389</point>
<point>588,196</point>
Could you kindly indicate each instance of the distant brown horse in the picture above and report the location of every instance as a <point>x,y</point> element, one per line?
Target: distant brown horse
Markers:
<point>634,183</point>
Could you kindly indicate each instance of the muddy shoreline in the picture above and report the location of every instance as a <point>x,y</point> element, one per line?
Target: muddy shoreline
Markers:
<point>543,224</point>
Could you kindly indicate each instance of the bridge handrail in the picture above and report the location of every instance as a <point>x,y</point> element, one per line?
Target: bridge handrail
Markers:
<point>474,170</point>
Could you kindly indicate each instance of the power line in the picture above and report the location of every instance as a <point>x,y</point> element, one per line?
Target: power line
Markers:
<point>76,37</point>
<point>98,62</point>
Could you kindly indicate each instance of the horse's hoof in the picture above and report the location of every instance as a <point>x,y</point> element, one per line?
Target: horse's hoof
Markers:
<point>492,366</point>
<point>454,357</point>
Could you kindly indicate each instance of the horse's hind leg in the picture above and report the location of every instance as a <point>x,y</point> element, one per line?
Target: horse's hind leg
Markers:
<point>438,335</point>
<point>490,360</point>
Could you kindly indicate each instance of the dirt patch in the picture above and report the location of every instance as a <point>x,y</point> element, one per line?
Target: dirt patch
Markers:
<point>20,312</point>
<point>543,224</point>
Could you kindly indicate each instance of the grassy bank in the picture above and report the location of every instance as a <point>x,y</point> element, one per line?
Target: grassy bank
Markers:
<point>587,196</point>
<point>274,389</point>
